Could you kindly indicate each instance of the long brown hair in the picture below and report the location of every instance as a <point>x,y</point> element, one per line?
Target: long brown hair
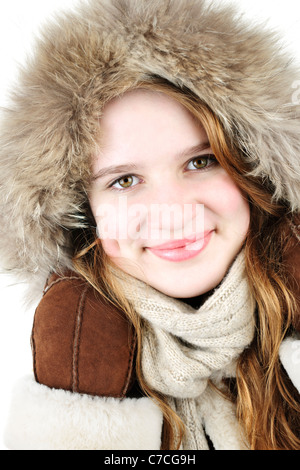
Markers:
<point>267,403</point>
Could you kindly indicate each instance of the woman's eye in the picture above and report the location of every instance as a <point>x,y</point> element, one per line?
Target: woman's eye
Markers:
<point>125,182</point>
<point>200,163</point>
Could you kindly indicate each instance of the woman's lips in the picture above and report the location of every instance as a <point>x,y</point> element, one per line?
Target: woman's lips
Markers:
<point>182,250</point>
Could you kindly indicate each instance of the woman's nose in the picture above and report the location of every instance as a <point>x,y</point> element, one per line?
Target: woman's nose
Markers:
<point>173,211</point>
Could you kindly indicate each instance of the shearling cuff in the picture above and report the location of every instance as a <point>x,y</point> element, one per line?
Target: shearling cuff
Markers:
<point>290,359</point>
<point>48,419</point>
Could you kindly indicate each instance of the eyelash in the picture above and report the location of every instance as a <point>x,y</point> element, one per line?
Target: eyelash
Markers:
<point>210,157</point>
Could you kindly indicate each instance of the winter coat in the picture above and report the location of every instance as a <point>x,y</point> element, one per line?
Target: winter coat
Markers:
<point>84,394</point>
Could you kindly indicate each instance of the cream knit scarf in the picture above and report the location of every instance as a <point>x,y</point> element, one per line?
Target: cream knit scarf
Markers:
<point>184,348</point>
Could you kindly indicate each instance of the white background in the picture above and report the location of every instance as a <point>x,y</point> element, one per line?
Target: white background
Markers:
<point>19,21</point>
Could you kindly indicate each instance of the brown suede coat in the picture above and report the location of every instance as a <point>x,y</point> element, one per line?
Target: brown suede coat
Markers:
<point>292,262</point>
<point>80,342</point>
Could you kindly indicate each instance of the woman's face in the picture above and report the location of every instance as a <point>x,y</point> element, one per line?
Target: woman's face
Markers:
<point>167,213</point>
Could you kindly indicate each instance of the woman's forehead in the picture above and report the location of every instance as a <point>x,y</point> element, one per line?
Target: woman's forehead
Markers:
<point>143,119</point>
<point>138,130</point>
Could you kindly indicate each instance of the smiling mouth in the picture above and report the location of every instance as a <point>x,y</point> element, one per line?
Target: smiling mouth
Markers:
<point>182,250</point>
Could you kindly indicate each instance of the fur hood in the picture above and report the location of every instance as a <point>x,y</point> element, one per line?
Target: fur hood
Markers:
<point>99,50</point>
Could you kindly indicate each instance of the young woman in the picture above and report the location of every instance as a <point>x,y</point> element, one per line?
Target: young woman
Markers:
<point>150,172</point>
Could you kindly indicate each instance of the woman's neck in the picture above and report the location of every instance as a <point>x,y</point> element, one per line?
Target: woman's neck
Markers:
<point>198,301</point>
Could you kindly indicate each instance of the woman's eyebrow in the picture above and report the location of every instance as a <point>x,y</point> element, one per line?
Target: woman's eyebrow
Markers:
<point>114,169</point>
<point>130,167</point>
<point>194,150</point>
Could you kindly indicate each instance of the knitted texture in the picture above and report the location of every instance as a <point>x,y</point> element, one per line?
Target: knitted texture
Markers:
<point>184,348</point>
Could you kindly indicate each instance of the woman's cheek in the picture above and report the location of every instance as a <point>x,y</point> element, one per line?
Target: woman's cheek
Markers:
<point>107,225</point>
<point>226,199</point>
<point>111,247</point>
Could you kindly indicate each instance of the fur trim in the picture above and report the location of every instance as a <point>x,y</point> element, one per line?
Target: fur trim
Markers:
<point>220,422</point>
<point>46,419</point>
<point>290,359</point>
<point>103,48</point>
